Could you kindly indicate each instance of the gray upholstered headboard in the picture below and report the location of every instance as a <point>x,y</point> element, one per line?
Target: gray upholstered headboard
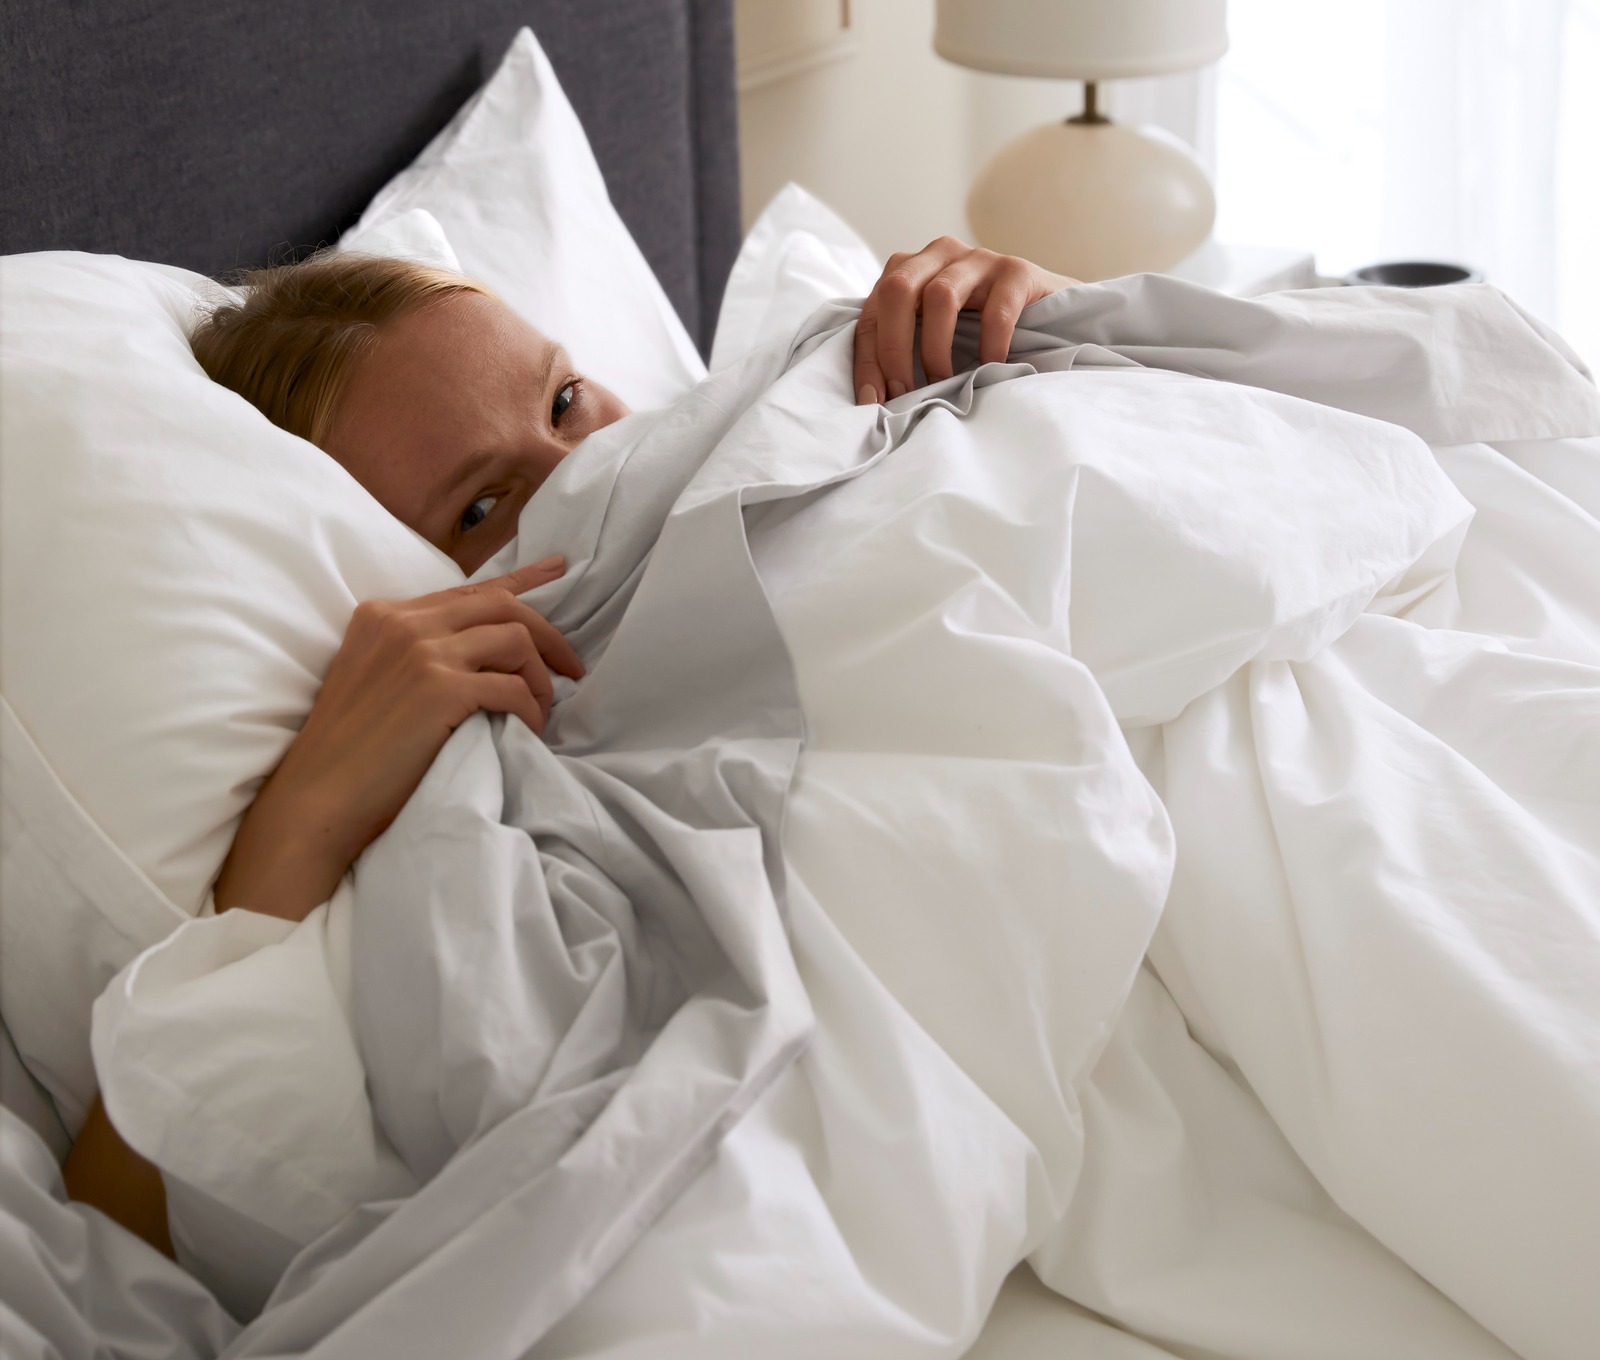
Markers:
<point>212,135</point>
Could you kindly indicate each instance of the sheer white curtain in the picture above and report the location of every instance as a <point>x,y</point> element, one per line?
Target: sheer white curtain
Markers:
<point>1464,130</point>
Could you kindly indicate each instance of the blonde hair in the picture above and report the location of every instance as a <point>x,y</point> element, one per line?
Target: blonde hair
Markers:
<point>288,345</point>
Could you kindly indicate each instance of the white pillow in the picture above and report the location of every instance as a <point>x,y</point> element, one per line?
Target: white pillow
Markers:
<point>515,187</point>
<point>176,574</point>
<point>178,570</point>
<point>411,235</point>
<point>799,254</point>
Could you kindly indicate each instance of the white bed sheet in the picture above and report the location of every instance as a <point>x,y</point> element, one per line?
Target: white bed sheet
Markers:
<point>1388,915</point>
<point>961,1108</point>
<point>1195,1226</point>
<point>1196,1221</point>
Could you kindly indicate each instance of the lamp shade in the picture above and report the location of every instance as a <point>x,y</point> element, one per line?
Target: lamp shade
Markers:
<point>1082,39</point>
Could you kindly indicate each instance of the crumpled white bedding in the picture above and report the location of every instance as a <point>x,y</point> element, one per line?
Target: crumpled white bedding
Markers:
<point>1088,632</point>
<point>1386,909</point>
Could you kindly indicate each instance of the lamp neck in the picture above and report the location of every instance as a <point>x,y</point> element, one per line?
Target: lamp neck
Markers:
<point>1091,109</point>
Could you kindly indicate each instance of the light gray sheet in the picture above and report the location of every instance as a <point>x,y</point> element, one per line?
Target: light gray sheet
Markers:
<point>73,1283</point>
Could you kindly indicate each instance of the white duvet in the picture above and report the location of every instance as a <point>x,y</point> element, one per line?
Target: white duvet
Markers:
<point>1194,867</point>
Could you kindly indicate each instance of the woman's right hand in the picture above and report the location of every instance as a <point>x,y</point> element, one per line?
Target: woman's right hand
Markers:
<point>408,673</point>
<point>938,283</point>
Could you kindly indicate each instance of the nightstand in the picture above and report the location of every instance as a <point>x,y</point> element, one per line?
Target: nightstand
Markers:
<point>1247,271</point>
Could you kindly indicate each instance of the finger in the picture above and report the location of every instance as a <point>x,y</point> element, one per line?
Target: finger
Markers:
<point>517,582</point>
<point>959,284</point>
<point>868,375</point>
<point>550,644</point>
<point>869,382</point>
<point>899,294</point>
<point>488,647</point>
<point>513,583</point>
<point>473,606</point>
<point>1009,292</point>
<point>504,647</point>
<point>498,693</point>
<point>547,641</point>
<point>524,579</point>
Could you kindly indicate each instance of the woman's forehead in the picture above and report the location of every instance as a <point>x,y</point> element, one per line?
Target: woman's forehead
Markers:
<point>437,385</point>
<point>465,360</point>
<point>462,331</point>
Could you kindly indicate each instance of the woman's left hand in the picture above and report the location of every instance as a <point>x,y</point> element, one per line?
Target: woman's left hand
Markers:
<point>940,281</point>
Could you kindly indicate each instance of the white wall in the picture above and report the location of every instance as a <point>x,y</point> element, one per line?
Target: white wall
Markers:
<point>890,135</point>
<point>880,135</point>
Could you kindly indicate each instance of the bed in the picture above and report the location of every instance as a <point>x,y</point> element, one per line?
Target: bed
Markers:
<point>225,138</point>
<point>1233,1195</point>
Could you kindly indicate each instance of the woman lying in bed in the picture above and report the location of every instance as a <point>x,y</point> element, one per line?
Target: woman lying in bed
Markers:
<point>452,411</point>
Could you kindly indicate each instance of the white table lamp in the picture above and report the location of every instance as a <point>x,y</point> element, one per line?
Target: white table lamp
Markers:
<point>1088,197</point>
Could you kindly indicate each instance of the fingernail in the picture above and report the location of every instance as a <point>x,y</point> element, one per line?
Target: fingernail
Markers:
<point>896,389</point>
<point>554,560</point>
<point>867,396</point>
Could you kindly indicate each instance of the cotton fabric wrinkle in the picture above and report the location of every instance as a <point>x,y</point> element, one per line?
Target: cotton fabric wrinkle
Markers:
<point>898,979</point>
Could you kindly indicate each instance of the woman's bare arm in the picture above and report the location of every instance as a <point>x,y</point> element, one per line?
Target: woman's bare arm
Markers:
<point>106,1173</point>
<point>407,674</point>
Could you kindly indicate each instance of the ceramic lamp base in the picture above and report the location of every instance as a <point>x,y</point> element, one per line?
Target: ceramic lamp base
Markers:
<point>1093,200</point>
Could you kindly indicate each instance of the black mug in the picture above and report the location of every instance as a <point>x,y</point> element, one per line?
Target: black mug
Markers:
<point>1413,274</point>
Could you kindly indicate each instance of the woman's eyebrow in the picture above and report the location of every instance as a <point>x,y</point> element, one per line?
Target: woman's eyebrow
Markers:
<point>552,355</point>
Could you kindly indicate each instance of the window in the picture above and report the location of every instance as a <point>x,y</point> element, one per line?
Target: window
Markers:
<point>1464,130</point>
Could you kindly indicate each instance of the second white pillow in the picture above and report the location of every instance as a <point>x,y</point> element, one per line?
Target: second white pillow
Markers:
<point>799,254</point>
<point>514,185</point>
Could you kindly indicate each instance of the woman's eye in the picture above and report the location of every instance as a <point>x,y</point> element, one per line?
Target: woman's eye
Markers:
<point>564,399</point>
<point>477,512</point>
